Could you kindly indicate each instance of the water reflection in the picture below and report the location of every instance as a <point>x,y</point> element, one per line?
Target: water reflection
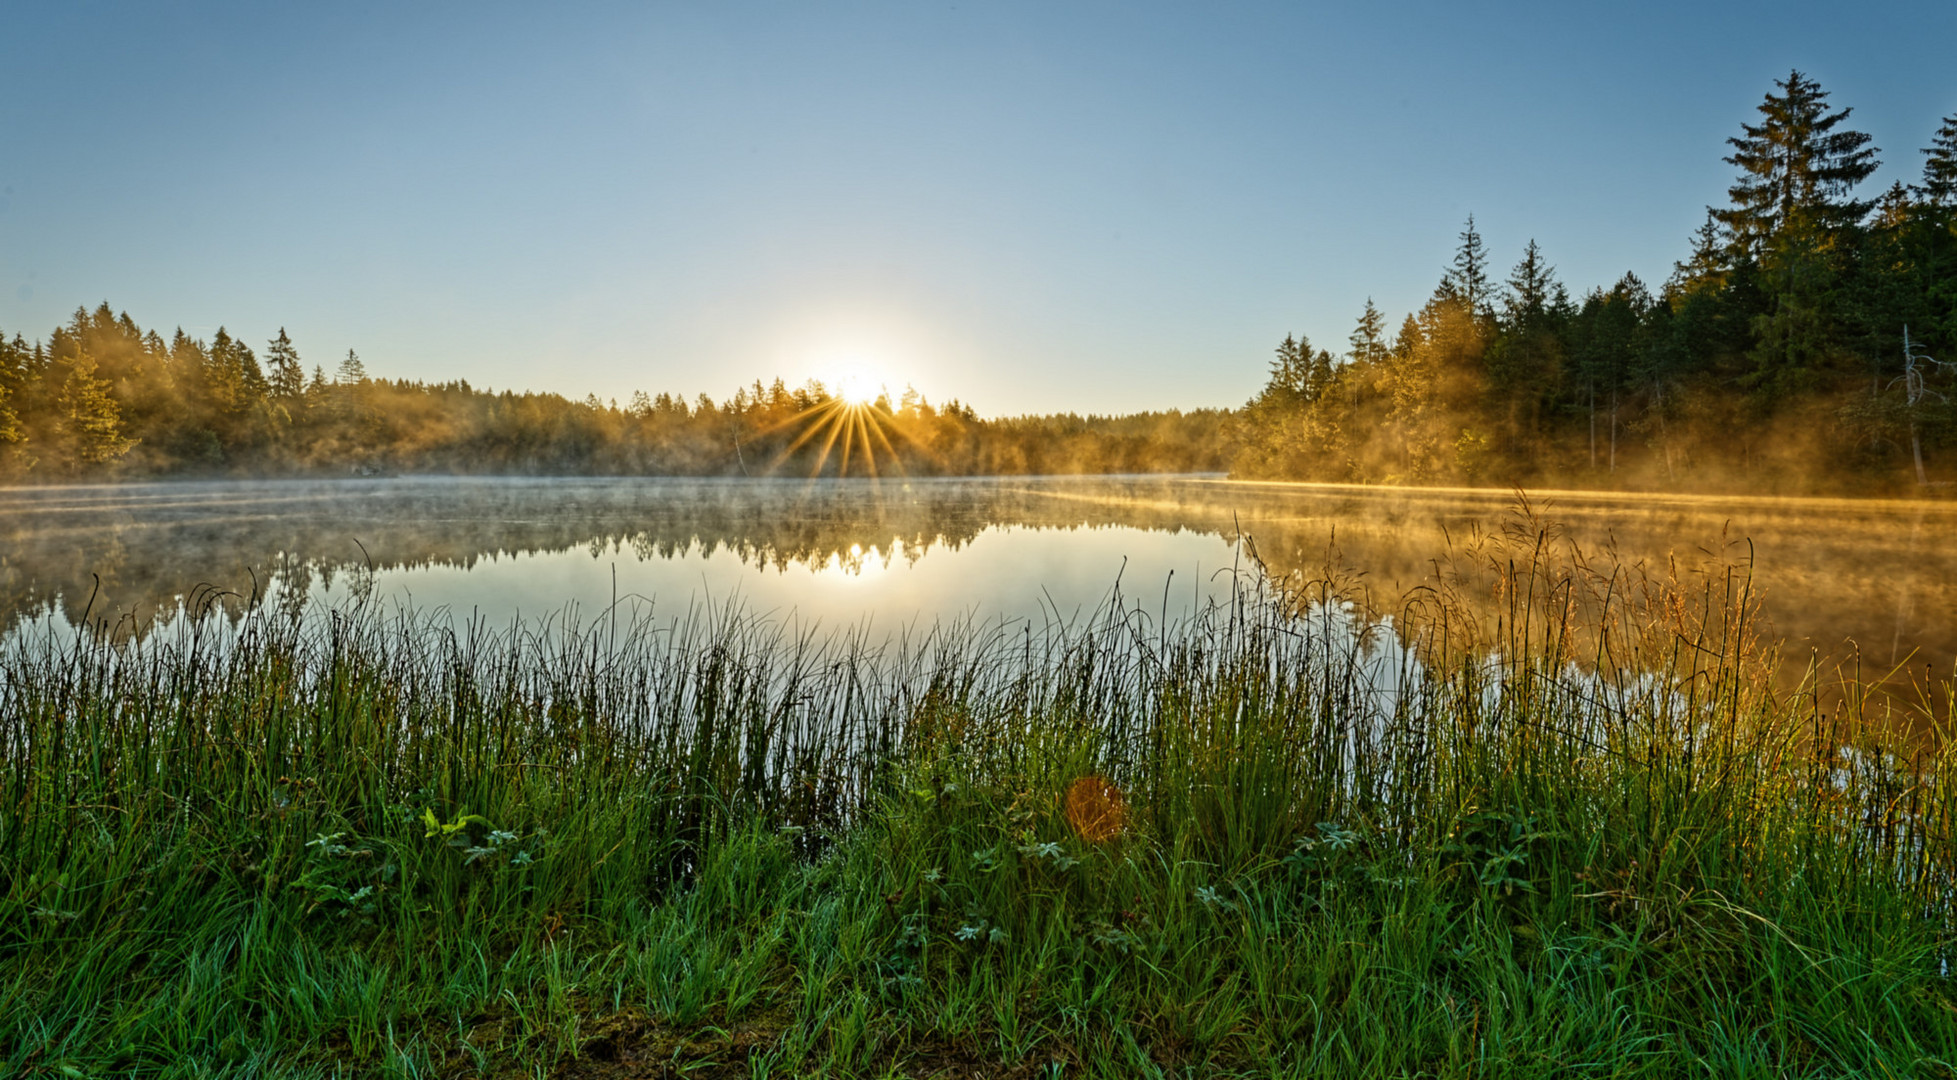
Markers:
<point>832,550</point>
<point>1832,575</point>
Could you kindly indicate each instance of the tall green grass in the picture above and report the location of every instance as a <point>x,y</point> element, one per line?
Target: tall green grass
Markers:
<point>1550,820</point>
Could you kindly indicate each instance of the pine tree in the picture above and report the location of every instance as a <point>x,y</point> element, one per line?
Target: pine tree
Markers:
<point>91,417</point>
<point>1525,363</point>
<point>1531,289</point>
<point>10,431</point>
<point>231,374</point>
<point>14,441</point>
<point>1467,279</point>
<point>1368,339</point>
<point>1606,338</point>
<point>1795,168</point>
<point>1322,374</point>
<point>13,380</point>
<point>1707,267</point>
<point>352,372</point>
<point>1412,386</point>
<point>1290,379</point>
<point>1939,186</point>
<point>287,377</point>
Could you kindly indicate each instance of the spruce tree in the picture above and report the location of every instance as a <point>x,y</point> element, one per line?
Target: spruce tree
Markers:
<point>1531,289</point>
<point>1525,363</point>
<point>232,374</point>
<point>91,417</point>
<point>13,368</point>
<point>1467,279</point>
<point>10,431</point>
<point>1290,372</point>
<point>352,372</point>
<point>287,376</point>
<point>1939,186</point>
<point>1707,267</point>
<point>1795,168</point>
<point>1368,339</point>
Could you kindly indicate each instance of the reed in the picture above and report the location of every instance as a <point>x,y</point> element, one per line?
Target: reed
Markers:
<point>1580,836</point>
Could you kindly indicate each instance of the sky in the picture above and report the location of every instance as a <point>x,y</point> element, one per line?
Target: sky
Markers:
<point>1041,207</point>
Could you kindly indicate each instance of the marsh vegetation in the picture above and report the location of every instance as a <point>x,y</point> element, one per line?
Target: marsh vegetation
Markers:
<point>1584,836</point>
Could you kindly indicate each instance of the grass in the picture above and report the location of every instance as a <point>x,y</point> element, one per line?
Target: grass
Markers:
<point>1583,838</point>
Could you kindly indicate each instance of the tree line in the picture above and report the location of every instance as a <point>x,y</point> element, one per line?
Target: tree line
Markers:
<point>1794,348</point>
<point>101,398</point>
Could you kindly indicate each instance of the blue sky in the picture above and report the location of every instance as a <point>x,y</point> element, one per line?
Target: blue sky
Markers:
<point>1094,207</point>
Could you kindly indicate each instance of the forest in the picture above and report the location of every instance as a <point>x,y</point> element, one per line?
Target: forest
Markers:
<point>104,399</point>
<point>1792,349</point>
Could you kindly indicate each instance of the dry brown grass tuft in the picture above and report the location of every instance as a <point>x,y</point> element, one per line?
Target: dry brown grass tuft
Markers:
<point>1096,809</point>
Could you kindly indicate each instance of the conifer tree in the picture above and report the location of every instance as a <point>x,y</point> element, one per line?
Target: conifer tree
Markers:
<point>1794,224</point>
<point>1605,349</point>
<point>1525,363</point>
<point>13,381</point>
<point>13,364</point>
<point>1707,266</point>
<point>1795,167</point>
<point>91,417</point>
<point>1532,288</point>
<point>232,374</point>
<point>352,372</point>
<point>1368,338</point>
<point>1467,279</point>
<point>10,431</point>
<point>1290,372</point>
<point>287,376</point>
<point>1939,186</point>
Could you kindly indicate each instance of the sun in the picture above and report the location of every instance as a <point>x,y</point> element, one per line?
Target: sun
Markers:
<point>856,388</point>
<point>847,424</point>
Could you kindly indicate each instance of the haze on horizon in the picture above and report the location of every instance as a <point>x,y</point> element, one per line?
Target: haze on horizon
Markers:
<point>1101,209</point>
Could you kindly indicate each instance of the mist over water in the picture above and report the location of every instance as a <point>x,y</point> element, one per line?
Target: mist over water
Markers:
<point>829,553</point>
<point>1836,578</point>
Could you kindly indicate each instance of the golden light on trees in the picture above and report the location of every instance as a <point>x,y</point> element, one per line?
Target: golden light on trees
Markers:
<point>852,422</point>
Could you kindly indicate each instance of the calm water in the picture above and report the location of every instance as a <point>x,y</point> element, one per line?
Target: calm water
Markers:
<point>1834,574</point>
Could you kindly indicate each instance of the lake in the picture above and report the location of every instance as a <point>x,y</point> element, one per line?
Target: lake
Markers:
<point>1876,579</point>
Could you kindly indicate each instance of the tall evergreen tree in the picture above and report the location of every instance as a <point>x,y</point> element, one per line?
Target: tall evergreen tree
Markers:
<point>1794,219</point>
<point>1707,266</point>
<point>1368,338</point>
<point>1290,380</point>
<point>1795,167</point>
<point>1466,279</point>
<point>10,431</point>
<point>13,366</point>
<point>1532,288</point>
<point>232,374</point>
<point>91,417</point>
<point>1605,346</point>
<point>1525,364</point>
<point>352,372</point>
<point>286,375</point>
<point>1939,186</point>
<point>14,358</point>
